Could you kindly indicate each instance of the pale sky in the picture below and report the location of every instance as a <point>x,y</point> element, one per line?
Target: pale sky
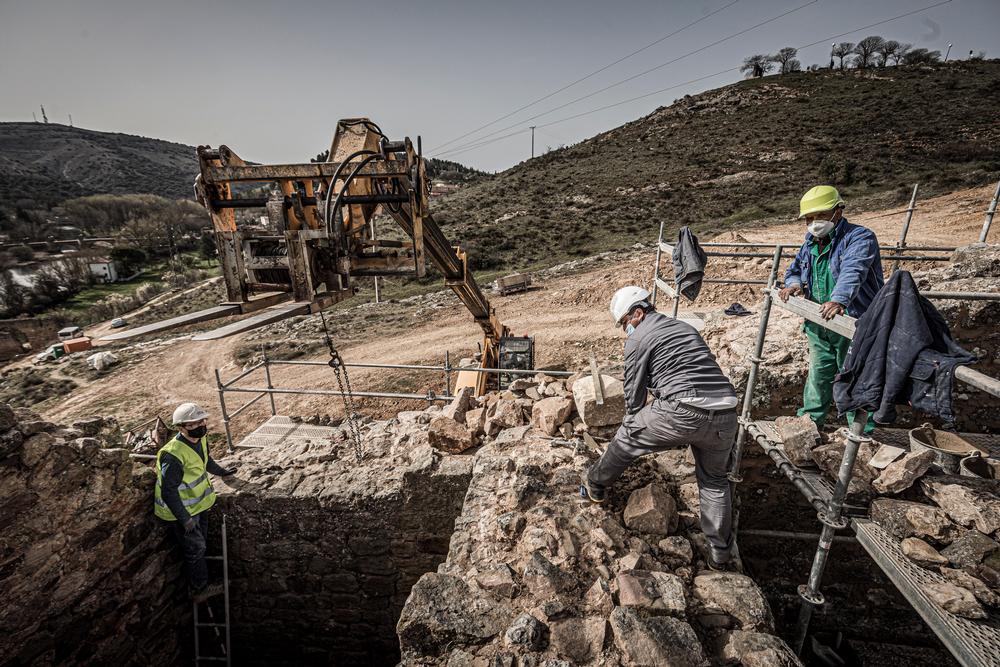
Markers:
<point>270,79</point>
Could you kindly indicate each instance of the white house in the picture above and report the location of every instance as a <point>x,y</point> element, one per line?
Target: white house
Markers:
<point>103,269</point>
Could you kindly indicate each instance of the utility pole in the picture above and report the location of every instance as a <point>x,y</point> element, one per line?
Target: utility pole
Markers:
<point>532,140</point>
<point>45,118</point>
<point>948,52</point>
<point>71,120</point>
<point>34,117</point>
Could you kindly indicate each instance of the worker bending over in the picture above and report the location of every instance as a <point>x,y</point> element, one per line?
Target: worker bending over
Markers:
<point>839,267</point>
<point>184,493</point>
<point>693,404</point>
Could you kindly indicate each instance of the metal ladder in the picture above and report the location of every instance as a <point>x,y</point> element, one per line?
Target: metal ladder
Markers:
<point>223,640</point>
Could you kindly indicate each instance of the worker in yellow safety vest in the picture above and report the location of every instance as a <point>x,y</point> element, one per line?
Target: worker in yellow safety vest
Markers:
<point>184,493</point>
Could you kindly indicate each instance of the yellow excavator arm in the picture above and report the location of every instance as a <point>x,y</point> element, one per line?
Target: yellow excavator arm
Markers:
<point>319,232</point>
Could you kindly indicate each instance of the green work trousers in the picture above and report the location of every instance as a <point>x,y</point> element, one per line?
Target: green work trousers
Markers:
<point>827,351</point>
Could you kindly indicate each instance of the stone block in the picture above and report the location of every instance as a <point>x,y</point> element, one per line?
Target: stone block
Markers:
<point>908,519</point>
<point>613,409</point>
<point>651,510</point>
<point>459,405</point>
<point>734,595</point>
<point>475,421</point>
<point>967,501</point>
<point>954,599</point>
<point>505,414</point>
<point>676,550</point>
<point>510,436</point>
<point>548,414</point>
<point>527,632</point>
<point>799,436</point>
<point>902,473</point>
<point>653,592</point>
<point>757,649</point>
<point>972,584</point>
<point>969,549</point>
<point>579,640</point>
<point>448,435</point>
<point>658,641</point>
<point>922,553</point>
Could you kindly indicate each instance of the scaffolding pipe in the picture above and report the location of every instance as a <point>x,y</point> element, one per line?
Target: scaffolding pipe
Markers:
<point>417,367</point>
<point>989,215</point>
<point>246,405</point>
<point>656,267</point>
<point>222,405</point>
<point>430,397</point>
<point>914,248</point>
<point>906,227</point>
<point>900,258</point>
<point>831,519</point>
<point>765,315</point>
<point>244,373</point>
<point>785,467</point>
<point>789,535</point>
<point>267,378</point>
<point>963,296</point>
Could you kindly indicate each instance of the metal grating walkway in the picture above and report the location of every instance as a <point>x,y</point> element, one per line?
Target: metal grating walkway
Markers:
<point>279,430</point>
<point>972,643</point>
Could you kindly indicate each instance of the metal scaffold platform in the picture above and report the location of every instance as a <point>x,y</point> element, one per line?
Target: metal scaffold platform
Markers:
<point>972,643</point>
<point>281,431</point>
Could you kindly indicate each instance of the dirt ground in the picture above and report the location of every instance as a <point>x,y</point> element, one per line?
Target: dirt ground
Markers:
<point>566,313</point>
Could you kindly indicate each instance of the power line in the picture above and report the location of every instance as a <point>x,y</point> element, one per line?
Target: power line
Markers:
<point>486,142</point>
<point>648,71</point>
<point>584,78</point>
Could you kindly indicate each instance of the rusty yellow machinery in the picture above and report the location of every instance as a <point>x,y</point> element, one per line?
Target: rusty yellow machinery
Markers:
<point>319,232</point>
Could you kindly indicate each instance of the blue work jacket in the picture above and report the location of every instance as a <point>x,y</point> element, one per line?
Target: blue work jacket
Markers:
<point>854,261</point>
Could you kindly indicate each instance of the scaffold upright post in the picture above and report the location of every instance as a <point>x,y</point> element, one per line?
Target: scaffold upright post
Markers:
<point>267,376</point>
<point>906,226</point>
<point>447,372</point>
<point>225,414</point>
<point>765,315</point>
<point>656,267</point>
<point>832,519</point>
<point>989,215</point>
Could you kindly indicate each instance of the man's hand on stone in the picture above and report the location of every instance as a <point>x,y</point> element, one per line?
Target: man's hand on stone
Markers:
<point>830,309</point>
<point>190,525</point>
<point>794,290</point>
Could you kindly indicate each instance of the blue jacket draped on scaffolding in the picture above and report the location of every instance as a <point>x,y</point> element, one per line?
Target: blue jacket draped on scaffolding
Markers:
<point>854,262</point>
<point>902,352</point>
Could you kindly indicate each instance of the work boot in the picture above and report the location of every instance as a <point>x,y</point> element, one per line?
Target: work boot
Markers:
<point>206,592</point>
<point>592,492</point>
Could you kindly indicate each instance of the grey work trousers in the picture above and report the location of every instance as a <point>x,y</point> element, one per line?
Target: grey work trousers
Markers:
<point>668,424</point>
<point>192,545</point>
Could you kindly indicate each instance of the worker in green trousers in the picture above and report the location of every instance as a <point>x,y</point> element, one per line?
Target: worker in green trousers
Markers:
<point>839,267</point>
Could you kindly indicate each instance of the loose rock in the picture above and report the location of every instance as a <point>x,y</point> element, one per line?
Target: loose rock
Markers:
<point>608,414</point>
<point>902,473</point>
<point>651,510</point>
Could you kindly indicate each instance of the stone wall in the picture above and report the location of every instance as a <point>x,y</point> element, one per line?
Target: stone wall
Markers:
<point>324,551</point>
<point>86,574</point>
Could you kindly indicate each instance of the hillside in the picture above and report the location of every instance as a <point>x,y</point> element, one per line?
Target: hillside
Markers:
<point>742,152</point>
<point>47,163</point>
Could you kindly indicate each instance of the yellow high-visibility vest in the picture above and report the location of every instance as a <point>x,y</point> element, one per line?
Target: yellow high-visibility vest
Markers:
<point>196,490</point>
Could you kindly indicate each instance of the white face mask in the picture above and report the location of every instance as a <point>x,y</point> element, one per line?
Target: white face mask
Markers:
<point>820,228</point>
<point>629,330</point>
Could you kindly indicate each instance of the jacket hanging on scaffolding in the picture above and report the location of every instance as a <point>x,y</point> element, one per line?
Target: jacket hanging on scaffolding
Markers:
<point>689,264</point>
<point>902,352</point>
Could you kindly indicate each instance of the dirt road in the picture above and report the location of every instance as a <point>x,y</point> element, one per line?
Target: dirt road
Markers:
<point>567,314</point>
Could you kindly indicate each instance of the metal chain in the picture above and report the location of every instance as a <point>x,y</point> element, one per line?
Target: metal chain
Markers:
<point>337,364</point>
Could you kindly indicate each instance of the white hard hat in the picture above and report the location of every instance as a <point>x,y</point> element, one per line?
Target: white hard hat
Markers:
<point>188,412</point>
<point>626,299</point>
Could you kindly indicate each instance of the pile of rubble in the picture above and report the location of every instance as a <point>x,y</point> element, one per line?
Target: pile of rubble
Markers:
<point>85,570</point>
<point>947,523</point>
<point>536,576</point>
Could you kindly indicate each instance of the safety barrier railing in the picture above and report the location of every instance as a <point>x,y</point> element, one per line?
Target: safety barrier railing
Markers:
<point>270,391</point>
<point>897,253</point>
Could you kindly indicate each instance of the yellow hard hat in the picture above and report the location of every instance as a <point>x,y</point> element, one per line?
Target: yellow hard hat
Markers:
<point>818,199</point>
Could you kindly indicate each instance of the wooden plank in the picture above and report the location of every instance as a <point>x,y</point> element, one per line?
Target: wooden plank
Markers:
<point>666,287</point>
<point>667,248</point>
<point>264,317</point>
<point>212,313</point>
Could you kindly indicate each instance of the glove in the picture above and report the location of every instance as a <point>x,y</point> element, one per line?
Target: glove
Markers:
<point>190,525</point>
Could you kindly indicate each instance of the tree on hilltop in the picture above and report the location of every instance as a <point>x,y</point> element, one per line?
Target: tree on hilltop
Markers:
<point>842,50</point>
<point>786,61</point>
<point>865,51</point>
<point>887,49</point>
<point>922,57</point>
<point>757,65</point>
